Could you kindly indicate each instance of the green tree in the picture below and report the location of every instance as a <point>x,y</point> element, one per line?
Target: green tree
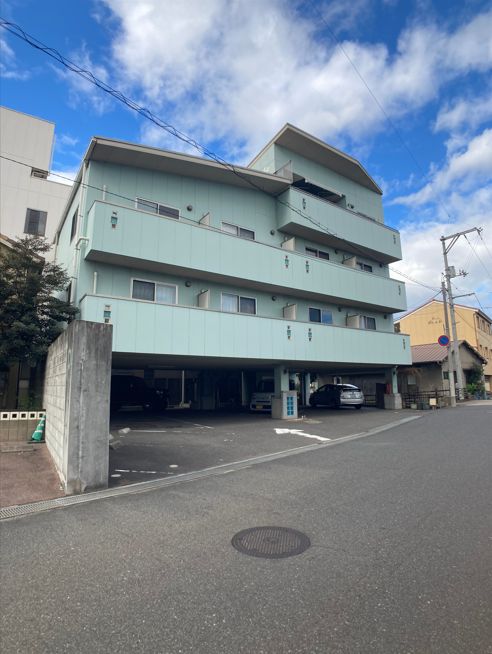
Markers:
<point>31,316</point>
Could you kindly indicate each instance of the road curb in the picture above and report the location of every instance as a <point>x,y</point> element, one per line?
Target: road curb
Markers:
<point>20,510</point>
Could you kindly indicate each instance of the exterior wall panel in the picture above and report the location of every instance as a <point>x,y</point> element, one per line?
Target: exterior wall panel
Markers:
<point>150,241</point>
<point>144,327</point>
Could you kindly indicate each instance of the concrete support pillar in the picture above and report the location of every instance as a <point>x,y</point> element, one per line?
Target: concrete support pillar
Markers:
<point>392,400</point>
<point>307,388</point>
<point>283,407</point>
<point>281,380</point>
<point>244,390</point>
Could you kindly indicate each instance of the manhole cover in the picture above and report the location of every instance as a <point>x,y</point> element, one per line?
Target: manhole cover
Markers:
<point>270,542</point>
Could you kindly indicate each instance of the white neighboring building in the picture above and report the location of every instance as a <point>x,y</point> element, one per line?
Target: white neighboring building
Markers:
<point>29,202</point>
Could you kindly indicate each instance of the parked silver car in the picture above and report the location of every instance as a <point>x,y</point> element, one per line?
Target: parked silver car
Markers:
<point>337,395</point>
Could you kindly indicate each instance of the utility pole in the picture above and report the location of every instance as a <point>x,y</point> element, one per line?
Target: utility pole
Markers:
<point>452,390</point>
<point>449,273</point>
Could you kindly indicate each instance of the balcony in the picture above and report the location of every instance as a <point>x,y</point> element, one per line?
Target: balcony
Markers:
<point>337,227</point>
<point>175,333</point>
<point>127,237</point>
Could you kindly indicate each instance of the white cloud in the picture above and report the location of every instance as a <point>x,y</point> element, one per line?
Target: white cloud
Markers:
<point>8,64</point>
<point>64,176</point>
<point>238,71</point>
<point>422,249</point>
<point>81,91</point>
<point>464,170</point>
<point>465,112</point>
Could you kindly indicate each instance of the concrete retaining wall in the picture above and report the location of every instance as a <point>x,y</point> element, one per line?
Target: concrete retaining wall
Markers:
<point>76,400</point>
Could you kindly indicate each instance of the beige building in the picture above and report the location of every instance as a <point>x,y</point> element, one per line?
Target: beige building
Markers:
<point>427,323</point>
<point>30,203</point>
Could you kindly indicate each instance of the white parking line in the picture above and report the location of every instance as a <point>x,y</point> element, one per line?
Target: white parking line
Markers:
<point>300,432</point>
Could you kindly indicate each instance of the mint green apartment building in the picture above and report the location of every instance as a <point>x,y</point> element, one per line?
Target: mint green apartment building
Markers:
<point>216,277</point>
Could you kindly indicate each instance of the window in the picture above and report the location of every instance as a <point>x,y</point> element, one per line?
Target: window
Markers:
<point>364,266</point>
<point>317,253</point>
<point>323,316</point>
<point>366,322</point>
<point>238,304</point>
<point>155,207</point>
<point>35,222</point>
<point>242,232</point>
<point>73,229</point>
<point>154,292</point>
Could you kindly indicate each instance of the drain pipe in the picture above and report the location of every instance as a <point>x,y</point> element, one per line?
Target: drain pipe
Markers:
<point>80,239</point>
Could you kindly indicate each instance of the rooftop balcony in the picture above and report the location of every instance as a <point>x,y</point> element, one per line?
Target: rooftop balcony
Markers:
<point>189,336</point>
<point>324,222</point>
<point>127,237</point>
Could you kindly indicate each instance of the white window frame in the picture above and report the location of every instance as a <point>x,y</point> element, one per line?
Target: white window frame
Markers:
<point>153,281</point>
<point>314,252</point>
<point>238,230</point>
<point>361,265</point>
<point>320,309</point>
<point>157,204</point>
<point>246,297</point>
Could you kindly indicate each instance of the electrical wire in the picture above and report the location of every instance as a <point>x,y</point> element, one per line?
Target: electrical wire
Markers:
<point>485,244</point>
<point>477,255</point>
<point>377,102</point>
<point>18,32</point>
<point>415,281</point>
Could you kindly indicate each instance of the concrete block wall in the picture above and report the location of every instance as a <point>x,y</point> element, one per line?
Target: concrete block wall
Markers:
<point>18,426</point>
<point>76,399</point>
<point>55,384</point>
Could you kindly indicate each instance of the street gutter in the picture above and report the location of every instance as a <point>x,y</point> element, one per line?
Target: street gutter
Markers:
<point>11,512</point>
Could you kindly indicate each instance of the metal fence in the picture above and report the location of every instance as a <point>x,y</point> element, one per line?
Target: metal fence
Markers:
<point>425,399</point>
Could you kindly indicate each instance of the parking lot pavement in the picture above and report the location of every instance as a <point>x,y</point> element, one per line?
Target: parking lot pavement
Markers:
<point>149,446</point>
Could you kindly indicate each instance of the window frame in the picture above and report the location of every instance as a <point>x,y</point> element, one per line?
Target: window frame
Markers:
<point>239,298</point>
<point>157,206</point>
<point>74,226</point>
<point>152,281</point>
<point>365,319</point>
<point>42,219</point>
<point>314,252</point>
<point>238,229</point>
<point>364,267</point>
<point>321,311</point>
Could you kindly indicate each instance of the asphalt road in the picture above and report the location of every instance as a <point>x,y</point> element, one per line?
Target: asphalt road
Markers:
<point>400,561</point>
<point>177,442</point>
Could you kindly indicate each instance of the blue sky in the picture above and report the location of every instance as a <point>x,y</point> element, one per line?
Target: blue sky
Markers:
<point>230,74</point>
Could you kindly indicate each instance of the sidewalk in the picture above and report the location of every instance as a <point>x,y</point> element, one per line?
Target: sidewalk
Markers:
<point>28,476</point>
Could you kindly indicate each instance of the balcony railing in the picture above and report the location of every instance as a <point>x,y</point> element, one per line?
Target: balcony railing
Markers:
<point>125,236</point>
<point>179,331</point>
<point>302,214</point>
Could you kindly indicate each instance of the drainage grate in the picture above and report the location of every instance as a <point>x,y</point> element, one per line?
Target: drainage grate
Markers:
<point>270,542</point>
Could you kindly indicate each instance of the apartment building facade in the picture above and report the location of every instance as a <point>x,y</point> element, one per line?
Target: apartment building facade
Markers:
<point>426,323</point>
<point>215,277</point>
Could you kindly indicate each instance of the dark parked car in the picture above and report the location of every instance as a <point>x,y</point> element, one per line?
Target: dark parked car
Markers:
<point>128,390</point>
<point>337,395</point>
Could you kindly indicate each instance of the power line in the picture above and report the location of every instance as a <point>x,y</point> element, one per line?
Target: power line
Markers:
<point>106,191</point>
<point>376,100</point>
<point>17,31</point>
<point>478,257</point>
<point>415,281</point>
<point>485,245</point>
